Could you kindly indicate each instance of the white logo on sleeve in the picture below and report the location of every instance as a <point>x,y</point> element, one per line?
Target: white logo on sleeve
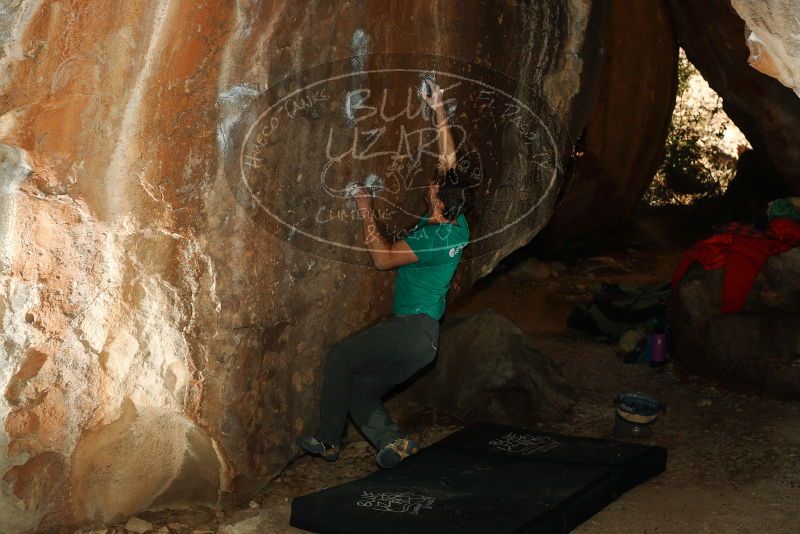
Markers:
<point>456,250</point>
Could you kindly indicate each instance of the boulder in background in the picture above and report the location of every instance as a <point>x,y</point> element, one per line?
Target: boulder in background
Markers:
<point>487,369</point>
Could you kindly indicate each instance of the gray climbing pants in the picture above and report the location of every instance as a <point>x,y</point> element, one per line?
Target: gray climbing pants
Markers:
<point>362,368</point>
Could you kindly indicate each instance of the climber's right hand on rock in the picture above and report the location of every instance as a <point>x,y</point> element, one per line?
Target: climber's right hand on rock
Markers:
<point>436,98</point>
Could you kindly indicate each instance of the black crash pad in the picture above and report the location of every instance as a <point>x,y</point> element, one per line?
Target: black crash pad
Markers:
<point>485,478</point>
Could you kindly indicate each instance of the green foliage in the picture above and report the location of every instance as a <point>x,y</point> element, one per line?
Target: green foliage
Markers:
<point>685,71</point>
<point>694,167</point>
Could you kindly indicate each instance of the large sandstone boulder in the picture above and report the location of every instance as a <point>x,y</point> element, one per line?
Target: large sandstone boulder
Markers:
<point>716,38</point>
<point>488,370</point>
<point>175,262</point>
<point>760,344</point>
<point>773,37</point>
<point>622,146</point>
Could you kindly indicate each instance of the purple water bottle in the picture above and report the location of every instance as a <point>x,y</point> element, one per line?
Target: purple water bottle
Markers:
<point>657,356</point>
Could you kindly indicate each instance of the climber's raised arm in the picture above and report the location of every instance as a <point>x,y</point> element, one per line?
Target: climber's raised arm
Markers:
<point>447,148</point>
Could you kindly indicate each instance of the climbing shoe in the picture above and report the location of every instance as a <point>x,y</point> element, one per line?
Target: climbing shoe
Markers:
<point>312,445</point>
<point>393,453</point>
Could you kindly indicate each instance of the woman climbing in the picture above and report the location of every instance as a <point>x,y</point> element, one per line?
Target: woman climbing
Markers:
<point>362,368</point>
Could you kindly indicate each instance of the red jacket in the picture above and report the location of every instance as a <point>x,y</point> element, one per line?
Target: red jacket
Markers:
<point>743,252</point>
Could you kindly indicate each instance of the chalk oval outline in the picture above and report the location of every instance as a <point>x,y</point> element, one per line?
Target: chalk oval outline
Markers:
<point>294,229</point>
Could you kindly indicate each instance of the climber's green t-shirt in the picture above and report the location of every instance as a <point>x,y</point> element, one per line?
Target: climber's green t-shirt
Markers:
<point>421,286</point>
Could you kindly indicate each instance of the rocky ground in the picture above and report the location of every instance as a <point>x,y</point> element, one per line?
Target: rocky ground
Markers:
<point>734,458</point>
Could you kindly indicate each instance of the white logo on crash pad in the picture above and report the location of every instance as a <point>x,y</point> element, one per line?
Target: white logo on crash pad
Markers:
<point>401,502</point>
<point>524,443</point>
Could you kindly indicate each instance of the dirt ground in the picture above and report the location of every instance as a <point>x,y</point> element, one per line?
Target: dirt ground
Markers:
<point>734,458</point>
